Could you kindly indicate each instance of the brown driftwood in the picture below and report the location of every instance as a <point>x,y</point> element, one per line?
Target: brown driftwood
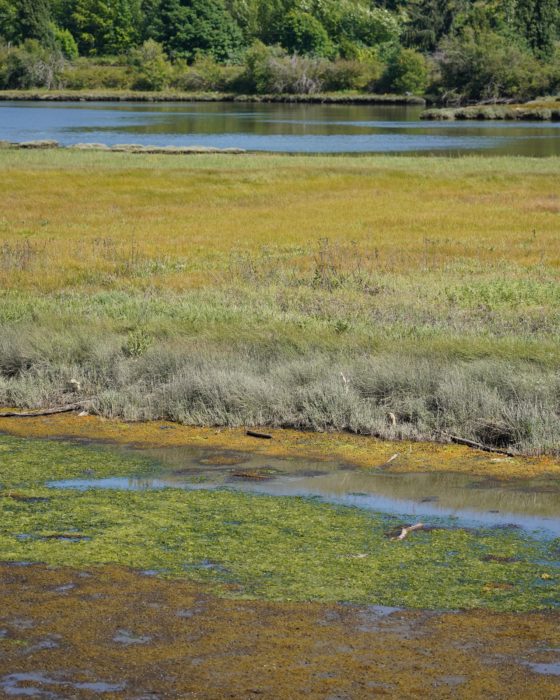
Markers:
<point>262,436</point>
<point>388,462</point>
<point>477,445</point>
<point>407,530</point>
<point>46,412</point>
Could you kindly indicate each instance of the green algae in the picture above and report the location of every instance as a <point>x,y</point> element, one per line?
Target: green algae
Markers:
<point>257,546</point>
<point>28,463</point>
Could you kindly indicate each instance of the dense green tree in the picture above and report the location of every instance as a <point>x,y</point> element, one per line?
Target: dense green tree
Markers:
<point>153,70</point>
<point>407,72</point>
<point>34,21</point>
<point>487,66</point>
<point>193,26</point>
<point>104,26</point>
<point>8,20</point>
<point>302,33</point>
<point>539,22</point>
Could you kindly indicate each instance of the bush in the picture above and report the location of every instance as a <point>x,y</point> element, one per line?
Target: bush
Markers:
<point>153,70</point>
<point>407,71</point>
<point>486,66</point>
<point>85,74</point>
<point>205,74</point>
<point>351,75</point>
<point>269,70</point>
<point>302,33</point>
<point>65,43</point>
<point>31,66</point>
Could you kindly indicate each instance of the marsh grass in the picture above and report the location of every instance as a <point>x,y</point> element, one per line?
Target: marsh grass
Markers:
<point>313,292</point>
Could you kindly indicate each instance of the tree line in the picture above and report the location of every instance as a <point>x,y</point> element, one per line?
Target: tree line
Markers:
<point>459,49</point>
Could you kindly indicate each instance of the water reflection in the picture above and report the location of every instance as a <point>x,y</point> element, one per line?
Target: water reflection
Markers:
<point>273,127</point>
<point>532,505</point>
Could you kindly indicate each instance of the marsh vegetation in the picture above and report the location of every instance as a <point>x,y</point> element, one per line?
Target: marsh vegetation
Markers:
<point>212,291</point>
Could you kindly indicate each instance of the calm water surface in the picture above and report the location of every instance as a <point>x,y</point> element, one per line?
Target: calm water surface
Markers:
<point>531,505</point>
<point>273,127</point>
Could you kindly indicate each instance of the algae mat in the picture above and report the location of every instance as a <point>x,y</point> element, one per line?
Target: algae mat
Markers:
<point>363,451</point>
<point>117,634</point>
<point>257,546</point>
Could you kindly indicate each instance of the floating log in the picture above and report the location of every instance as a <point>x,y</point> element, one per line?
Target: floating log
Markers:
<point>262,436</point>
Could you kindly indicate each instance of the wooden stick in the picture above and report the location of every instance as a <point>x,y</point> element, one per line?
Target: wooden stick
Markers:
<point>477,445</point>
<point>46,412</point>
<point>407,530</point>
<point>262,436</point>
<point>388,462</point>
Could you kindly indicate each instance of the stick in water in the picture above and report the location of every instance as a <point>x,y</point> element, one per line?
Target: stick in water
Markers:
<point>407,530</point>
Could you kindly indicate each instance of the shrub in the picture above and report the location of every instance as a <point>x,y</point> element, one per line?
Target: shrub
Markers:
<point>85,74</point>
<point>153,70</point>
<point>485,65</point>
<point>351,75</point>
<point>303,33</point>
<point>407,71</point>
<point>32,65</point>
<point>269,70</point>
<point>66,43</point>
<point>205,74</point>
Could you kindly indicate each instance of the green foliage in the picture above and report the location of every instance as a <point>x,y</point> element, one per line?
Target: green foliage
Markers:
<point>487,66</point>
<point>273,548</point>
<point>65,43</point>
<point>33,21</point>
<point>407,71</point>
<point>539,22</point>
<point>31,65</point>
<point>89,74</point>
<point>520,60</point>
<point>104,27</point>
<point>193,26</point>
<point>153,70</point>
<point>304,34</point>
<point>269,70</point>
<point>8,21</point>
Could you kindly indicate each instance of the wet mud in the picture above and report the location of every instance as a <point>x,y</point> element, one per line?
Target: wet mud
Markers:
<point>116,633</point>
<point>359,450</point>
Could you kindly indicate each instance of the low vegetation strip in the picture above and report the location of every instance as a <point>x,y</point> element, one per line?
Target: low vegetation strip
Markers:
<point>540,111</point>
<point>212,96</point>
<point>211,291</point>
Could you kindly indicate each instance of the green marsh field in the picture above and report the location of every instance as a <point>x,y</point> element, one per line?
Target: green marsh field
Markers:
<point>358,310</point>
<point>307,292</point>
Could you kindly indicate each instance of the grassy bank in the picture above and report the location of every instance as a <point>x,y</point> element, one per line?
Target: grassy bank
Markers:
<point>310,292</point>
<point>539,110</point>
<point>118,95</point>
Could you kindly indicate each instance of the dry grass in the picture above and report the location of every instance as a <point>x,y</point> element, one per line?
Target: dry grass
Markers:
<point>214,289</point>
<point>184,217</point>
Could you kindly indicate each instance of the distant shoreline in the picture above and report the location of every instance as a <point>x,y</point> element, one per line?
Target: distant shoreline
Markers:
<point>133,96</point>
<point>541,111</point>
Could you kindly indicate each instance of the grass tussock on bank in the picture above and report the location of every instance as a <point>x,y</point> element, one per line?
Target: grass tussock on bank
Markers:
<point>309,292</point>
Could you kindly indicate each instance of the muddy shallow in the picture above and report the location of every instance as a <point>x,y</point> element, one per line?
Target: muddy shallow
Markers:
<point>120,634</point>
<point>532,504</point>
<point>107,631</point>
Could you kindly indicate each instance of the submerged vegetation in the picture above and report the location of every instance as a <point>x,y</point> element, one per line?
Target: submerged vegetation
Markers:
<point>210,291</point>
<point>257,546</point>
